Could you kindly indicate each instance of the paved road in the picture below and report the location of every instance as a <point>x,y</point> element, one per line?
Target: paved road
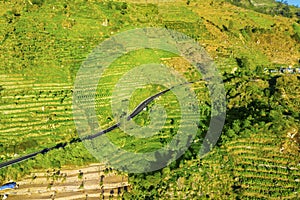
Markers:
<point>135,112</point>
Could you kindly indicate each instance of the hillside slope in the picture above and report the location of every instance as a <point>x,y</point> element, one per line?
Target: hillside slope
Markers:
<point>44,42</point>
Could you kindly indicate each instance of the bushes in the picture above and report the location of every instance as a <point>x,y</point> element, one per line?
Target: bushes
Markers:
<point>296,28</point>
<point>37,2</point>
<point>27,144</point>
<point>120,6</point>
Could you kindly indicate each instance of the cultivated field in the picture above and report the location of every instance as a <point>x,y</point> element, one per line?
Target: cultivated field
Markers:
<point>91,182</point>
<point>43,44</point>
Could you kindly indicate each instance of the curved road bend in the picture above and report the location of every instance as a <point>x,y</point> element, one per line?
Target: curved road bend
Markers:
<point>135,112</point>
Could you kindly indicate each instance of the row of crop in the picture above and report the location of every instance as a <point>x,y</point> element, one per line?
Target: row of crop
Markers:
<point>250,161</point>
<point>245,171</point>
<point>18,130</point>
<point>35,110</point>
<point>275,159</point>
<point>252,147</point>
<point>259,188</point>
<point>266,158</point>
<point>33,121</point>
<point>17,115</point>
<point>12,85</point>
<point>255,151</point>
<point>273,190</point>
<point>8,84</point>
<point>27,96</point>
<point>31,93</point>
<point>257,141</point>
<point>275,169</point>
<point>250,194</point>
<point>40,113</point>
<point>249,183</point>
<point>32,106</point>
<point>266,176</point>
<point>286,163</point>
<point>11,77</point>
<point>268,152</point>
<point>13,120</point>
<point>37,99</point>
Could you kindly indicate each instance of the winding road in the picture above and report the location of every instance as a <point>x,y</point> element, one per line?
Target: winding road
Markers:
<point>135,112</point>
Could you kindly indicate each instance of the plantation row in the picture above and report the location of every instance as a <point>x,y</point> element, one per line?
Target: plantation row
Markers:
<point>90,182</point>
<point>262,171</point>
<point>269,157</point>
<point>106,87</point>
<point>33,115</point>
<point>31,111</point>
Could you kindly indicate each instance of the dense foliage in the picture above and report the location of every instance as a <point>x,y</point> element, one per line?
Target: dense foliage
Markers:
<point>257,116</point>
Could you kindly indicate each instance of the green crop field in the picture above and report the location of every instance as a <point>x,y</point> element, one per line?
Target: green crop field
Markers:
<point>43,44</point>
<point>168,101</point>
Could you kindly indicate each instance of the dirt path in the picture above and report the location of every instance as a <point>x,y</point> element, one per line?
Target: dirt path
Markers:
<point>89,182</point>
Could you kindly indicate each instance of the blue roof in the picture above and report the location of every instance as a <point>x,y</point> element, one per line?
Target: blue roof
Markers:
<point>10,185</point>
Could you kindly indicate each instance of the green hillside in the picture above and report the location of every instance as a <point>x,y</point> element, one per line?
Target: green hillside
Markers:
<point>44,42</point>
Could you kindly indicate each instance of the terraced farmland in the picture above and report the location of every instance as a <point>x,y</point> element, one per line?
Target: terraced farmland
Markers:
<point>261,170</point>
<point>39,115</point>
<point>245,168</point>
<point>44,42</point>
<point>91,182</point>
<point>105,92</point>
<point>33,115</point>
<point>168,100</point>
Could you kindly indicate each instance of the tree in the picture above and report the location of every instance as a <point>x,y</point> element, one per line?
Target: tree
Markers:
<point>230,24</point>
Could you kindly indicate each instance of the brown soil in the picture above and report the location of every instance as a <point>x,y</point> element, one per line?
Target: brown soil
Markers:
<point>66,184</point>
